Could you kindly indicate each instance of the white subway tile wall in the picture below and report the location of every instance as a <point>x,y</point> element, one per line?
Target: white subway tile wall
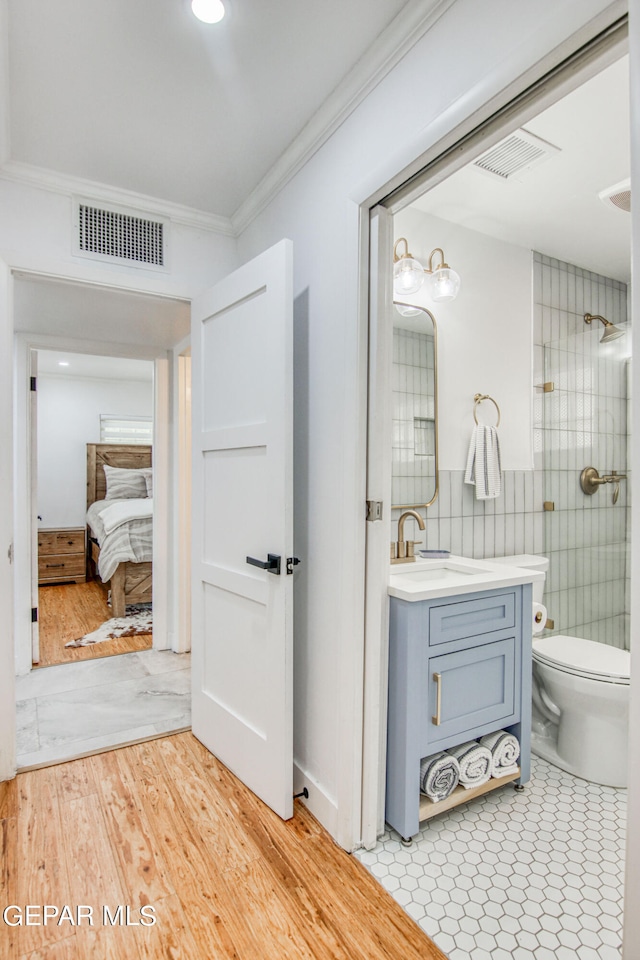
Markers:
<point>583,422</point>
<point>513,523</point>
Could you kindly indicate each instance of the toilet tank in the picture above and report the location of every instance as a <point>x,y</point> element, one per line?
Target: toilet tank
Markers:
<point>529,561</point>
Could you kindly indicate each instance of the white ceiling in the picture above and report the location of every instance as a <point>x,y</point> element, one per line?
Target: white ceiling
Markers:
<point>554,208</point>
<point>140,95</point>
<point>92,367</point>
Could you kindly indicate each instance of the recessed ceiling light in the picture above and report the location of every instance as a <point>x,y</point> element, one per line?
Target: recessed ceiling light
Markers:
<point>209,11</point>
<point>63,363</point>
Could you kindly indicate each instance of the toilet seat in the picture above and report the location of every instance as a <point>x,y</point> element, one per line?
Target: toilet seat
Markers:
<point>583,658</point>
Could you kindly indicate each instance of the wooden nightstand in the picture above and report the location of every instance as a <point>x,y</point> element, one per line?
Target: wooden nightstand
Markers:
<point>61,555</point>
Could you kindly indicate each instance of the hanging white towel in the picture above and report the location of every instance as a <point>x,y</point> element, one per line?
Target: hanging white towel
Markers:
<point>475,763</point>
<point>483,463</point>
<point>439,776</point>
<point>505,750</point>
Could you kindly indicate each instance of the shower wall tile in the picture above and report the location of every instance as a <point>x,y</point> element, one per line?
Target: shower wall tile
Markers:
<point>584,422</point>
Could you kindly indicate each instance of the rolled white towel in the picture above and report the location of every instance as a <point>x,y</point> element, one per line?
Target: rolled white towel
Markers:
<point>475,763</point>
<point>505,751</point>
<point>439,776</point>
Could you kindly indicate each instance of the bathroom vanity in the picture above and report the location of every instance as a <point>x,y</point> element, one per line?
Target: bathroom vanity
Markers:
<point>459,668</point>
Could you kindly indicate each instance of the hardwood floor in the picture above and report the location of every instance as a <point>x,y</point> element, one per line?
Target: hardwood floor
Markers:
<point>68,611</point>
<point>162,824</point>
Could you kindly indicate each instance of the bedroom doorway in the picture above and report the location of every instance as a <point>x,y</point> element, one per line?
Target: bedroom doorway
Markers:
<point>134,695</point>
<point>83,406</point>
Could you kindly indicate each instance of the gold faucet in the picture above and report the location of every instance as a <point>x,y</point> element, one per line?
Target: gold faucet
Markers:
<point>402,550</point>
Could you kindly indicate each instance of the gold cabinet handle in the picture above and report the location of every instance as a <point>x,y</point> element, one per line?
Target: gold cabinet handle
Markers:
<point>438,680</point>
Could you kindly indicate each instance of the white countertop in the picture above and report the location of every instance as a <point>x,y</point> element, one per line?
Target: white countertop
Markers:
<point>430,579</point>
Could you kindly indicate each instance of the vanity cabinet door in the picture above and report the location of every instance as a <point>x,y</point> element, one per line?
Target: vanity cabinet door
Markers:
<point>469,690</point>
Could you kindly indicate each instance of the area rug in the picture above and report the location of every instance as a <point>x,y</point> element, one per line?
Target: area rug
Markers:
<point>138,620</point>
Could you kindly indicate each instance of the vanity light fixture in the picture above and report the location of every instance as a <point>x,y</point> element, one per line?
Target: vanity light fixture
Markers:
<point>409,274</point>
<point>209,11</point>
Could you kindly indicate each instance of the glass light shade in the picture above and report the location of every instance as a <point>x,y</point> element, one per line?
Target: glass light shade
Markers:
<point>408,276</point>
<point>444,284</point>
<point>407,310</point>
<point>209,11</point>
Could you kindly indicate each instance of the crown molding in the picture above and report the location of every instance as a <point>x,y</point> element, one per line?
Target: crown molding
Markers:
<point>405,30</point>
<point>69,186</point>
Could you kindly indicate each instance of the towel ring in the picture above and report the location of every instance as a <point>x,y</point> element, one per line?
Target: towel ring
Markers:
<point>478,398</point>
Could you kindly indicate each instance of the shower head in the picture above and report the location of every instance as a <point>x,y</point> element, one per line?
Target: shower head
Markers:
<point>611,332</point>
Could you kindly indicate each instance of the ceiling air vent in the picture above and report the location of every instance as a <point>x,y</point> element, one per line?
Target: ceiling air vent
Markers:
<point>121,235</point>
<point>516,154</point>
<point>618,196</point>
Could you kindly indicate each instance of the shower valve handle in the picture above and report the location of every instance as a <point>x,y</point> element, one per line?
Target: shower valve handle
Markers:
<point>590,481</point>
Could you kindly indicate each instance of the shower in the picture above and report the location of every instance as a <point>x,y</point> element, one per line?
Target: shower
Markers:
<point>584,421</point>
<point>611,332</point>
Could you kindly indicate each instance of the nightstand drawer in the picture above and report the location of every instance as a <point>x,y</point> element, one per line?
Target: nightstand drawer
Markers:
<point>62,566</point>
<point>55,542</point>
<point>61,555</point>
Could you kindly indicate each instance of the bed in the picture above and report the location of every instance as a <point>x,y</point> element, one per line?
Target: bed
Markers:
<point>125,552</point>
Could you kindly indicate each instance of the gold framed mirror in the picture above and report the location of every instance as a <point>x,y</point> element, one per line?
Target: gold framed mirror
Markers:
<point>414,481</point>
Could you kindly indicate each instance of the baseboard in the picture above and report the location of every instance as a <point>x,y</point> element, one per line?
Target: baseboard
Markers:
<point>321,805</point>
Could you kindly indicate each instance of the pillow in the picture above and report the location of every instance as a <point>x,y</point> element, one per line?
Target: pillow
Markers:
<point>123,484</point>
<point>148,478</point>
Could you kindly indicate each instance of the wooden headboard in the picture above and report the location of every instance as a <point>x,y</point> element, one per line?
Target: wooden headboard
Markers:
<point>128,455</point>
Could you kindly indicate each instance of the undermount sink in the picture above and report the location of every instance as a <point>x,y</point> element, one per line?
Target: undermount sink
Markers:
<point>426,579</point>
<point>443,571</point>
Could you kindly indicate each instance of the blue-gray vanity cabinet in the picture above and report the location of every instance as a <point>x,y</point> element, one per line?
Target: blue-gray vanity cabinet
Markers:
<point>459,667</point>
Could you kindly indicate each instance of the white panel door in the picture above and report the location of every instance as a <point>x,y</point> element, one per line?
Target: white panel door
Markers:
<point>242,623</point>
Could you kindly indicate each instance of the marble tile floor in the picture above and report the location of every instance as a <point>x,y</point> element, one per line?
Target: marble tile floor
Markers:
<point>72,710</point>
<point>516,876</point>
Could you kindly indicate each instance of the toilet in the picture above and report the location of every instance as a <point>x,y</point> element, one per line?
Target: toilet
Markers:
<point>580,699</point>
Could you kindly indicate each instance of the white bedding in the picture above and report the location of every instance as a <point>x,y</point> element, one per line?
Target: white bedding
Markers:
<point>117,512</point>
<point>130,536</point>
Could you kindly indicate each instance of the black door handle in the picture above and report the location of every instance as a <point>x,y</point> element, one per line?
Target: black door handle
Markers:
<point>271,564</point>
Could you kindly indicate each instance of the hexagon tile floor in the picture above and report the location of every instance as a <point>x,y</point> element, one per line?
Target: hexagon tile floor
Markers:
<point>516,876</point>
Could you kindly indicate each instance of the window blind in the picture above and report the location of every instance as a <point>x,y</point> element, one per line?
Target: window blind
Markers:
<point>138,430</point>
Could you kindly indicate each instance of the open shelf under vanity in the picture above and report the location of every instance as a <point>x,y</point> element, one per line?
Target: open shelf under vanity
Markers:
<point>430,809</point>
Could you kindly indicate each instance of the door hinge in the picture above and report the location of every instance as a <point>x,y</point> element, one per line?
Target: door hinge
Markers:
<point>33,383</point>
<point>34,614</point>
<point>374,510</point>
<point>291,563</point>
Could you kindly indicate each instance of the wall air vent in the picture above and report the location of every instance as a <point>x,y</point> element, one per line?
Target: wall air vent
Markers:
<point>120,235</point>
<point>515,155</point>
<point>618,196</point>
